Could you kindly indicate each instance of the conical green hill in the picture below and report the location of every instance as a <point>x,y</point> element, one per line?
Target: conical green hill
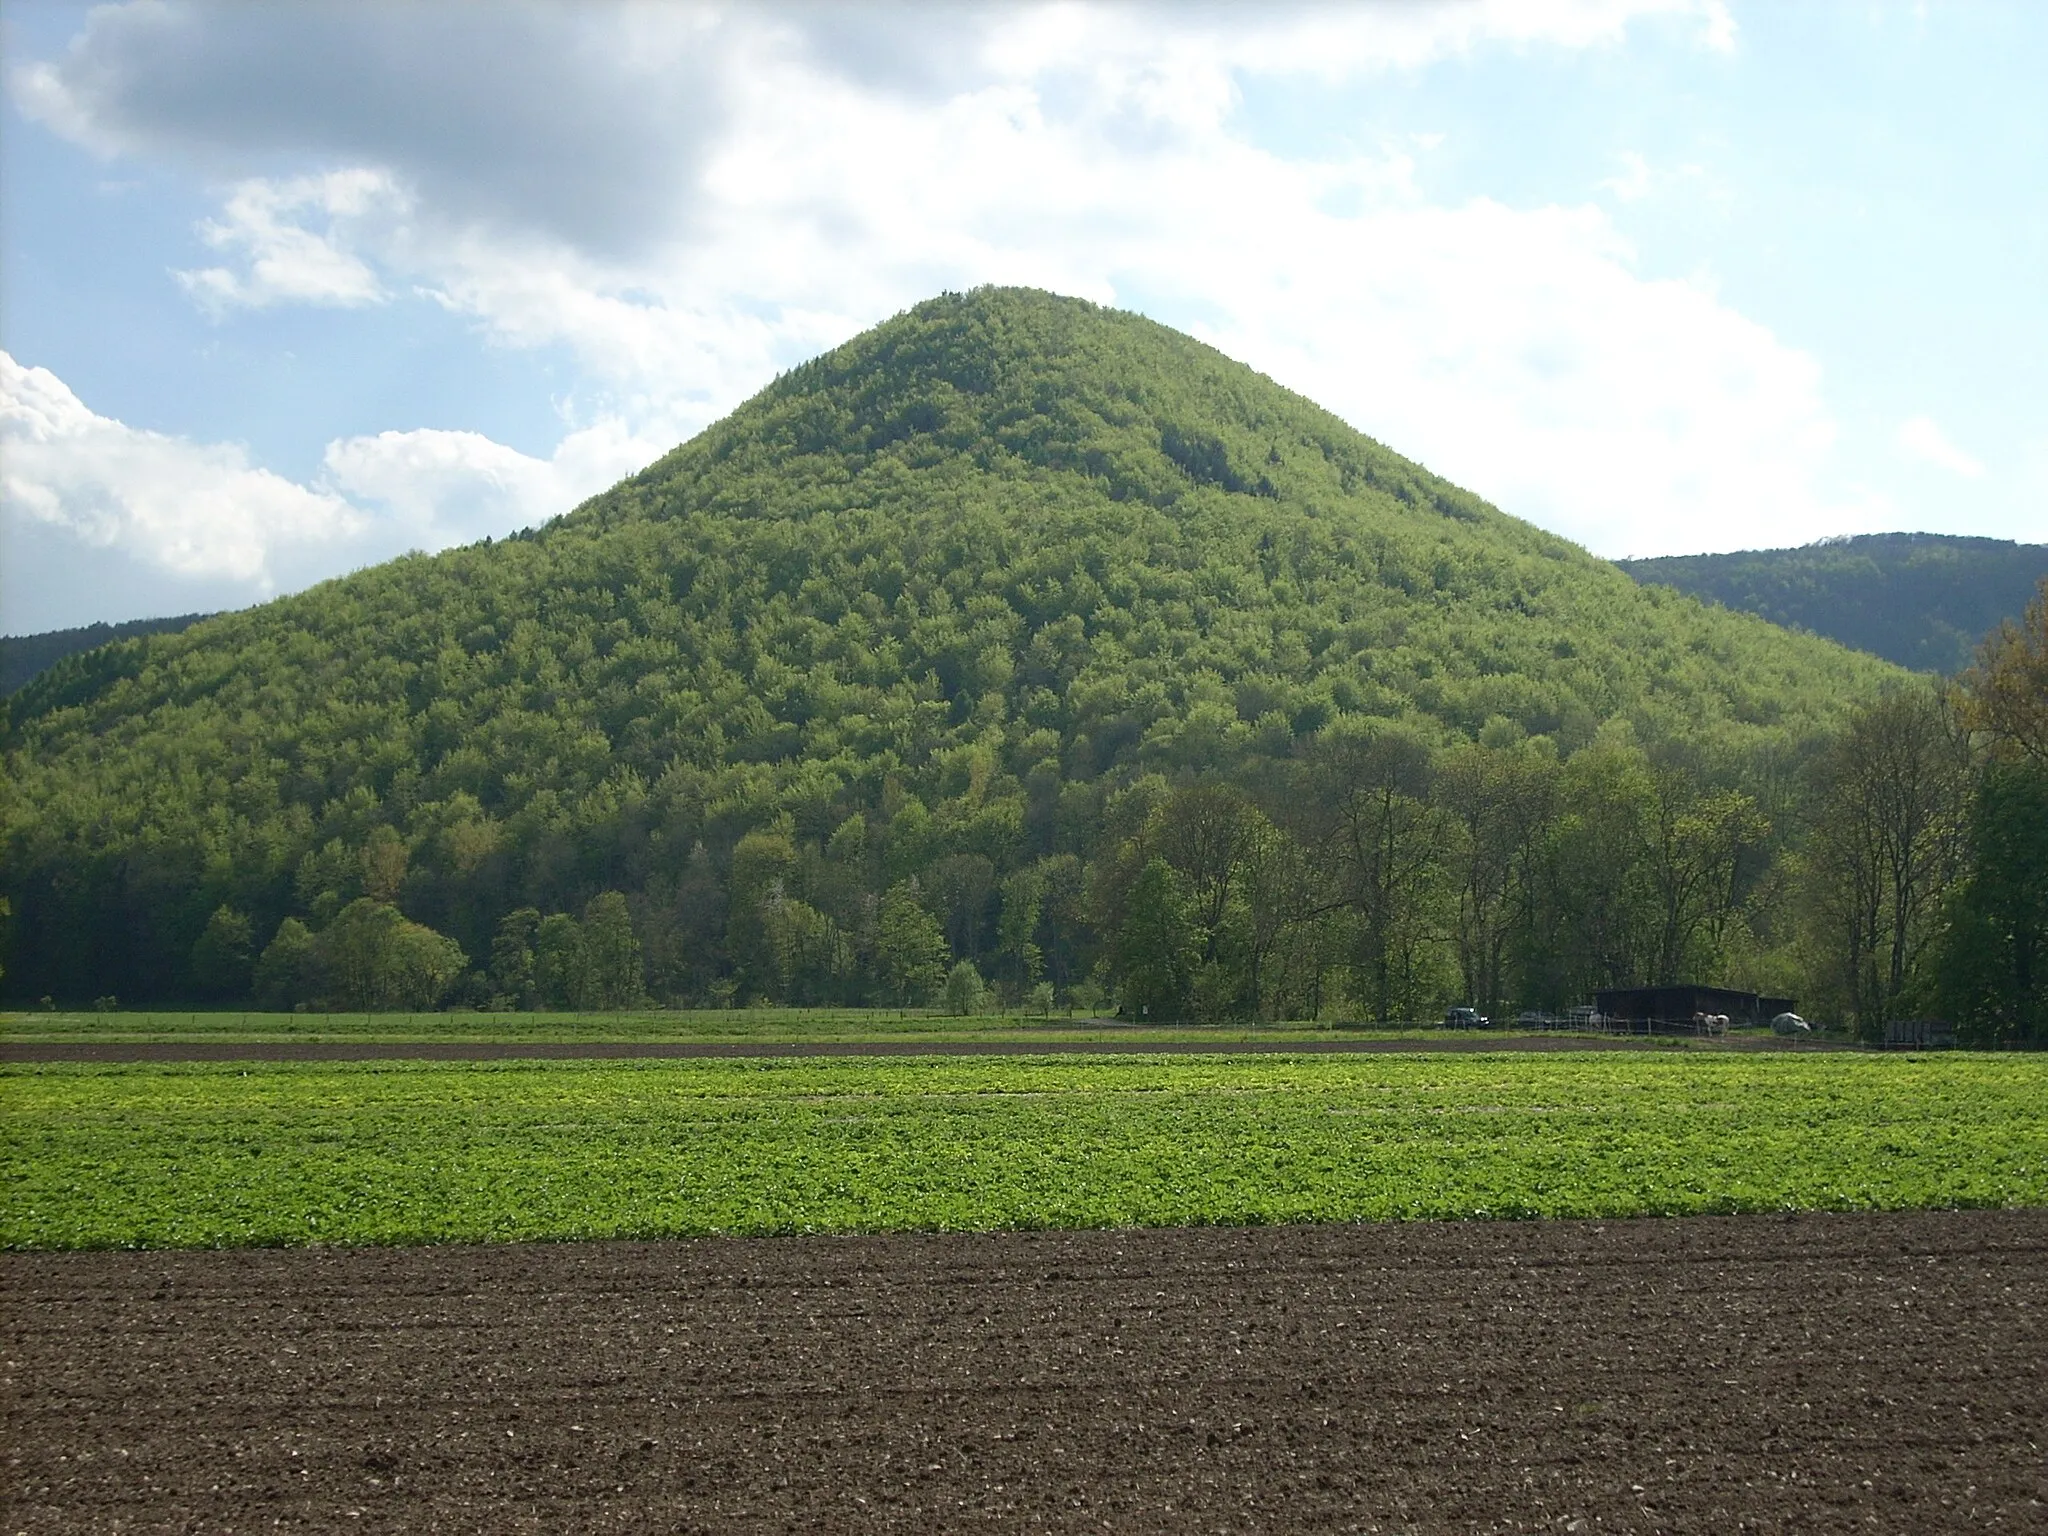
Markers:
<point>997,557</point>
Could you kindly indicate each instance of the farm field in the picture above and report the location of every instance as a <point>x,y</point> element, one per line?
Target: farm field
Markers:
<point>1785,1374</point>
<point>200,1155</point>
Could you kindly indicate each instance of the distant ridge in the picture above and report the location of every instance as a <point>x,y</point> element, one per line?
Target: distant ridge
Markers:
<point>23,658</point>
<point>1922,600</point>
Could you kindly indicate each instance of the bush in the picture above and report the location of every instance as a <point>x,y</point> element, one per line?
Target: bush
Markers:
<point>964,991</point>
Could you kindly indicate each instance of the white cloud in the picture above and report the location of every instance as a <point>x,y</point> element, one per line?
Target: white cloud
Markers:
<point>188,508</point>
<point>688,199</point>
<point>281,260</point>
<point>577,119</point>
<point>200,513</point>
<point>593,124</point>
<point>446,488</point>
<point>1521,354</point>
<point>1921,440</point>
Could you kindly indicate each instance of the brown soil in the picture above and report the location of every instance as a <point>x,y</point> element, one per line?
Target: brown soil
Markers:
<point>1797,1374</point>
<point>559,1050</point>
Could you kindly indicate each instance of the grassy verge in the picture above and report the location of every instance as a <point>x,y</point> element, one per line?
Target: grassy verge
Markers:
<point>232,1155</point>
<point>740,1025</point>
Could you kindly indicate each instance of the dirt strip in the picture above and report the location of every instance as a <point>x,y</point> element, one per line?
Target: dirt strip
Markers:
<point>1768,1374</point>
<point>28,1051</point>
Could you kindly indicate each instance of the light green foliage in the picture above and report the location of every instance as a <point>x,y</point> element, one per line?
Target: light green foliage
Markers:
<point>1022,915</point>
<point>970,577</point>
<point>763,869</point>
<point>384,858</point>
<point>964,992</point>
<point>370,957</point>
<point>910,952</point>
<point>608,969</point>
<point>198,1156</point>
<point>1498,800</point>
<point>1372,784</point>
<point>1157,947</point>
<point>23,657</point>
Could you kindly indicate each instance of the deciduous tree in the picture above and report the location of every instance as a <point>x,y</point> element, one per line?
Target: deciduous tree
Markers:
<point>372,957</point>
<point>223,958</point>
<point>558,960</point>
<point>512,963</point>
<point>1158,949</point>
<point>2006,693</point>
<point>1382,841</point>
<point>910,951</point>
<point>1893,794</point>
<point>964,992</point>
<point>287,972</point>
<point>608,975</point>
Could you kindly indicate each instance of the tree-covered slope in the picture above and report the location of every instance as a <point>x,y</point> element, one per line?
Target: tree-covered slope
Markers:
<point>26,657</point>
<point>937,595</point>
<point>1923,600</point>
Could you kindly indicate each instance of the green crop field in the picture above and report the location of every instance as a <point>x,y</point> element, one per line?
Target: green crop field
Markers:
<point>244,1154</point>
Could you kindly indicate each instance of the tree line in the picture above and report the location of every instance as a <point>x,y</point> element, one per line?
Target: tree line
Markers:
<point>1900,871</point>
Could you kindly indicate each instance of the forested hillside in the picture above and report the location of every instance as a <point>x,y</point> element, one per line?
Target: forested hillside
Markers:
<point>1923,600</point>
<point>1019,639</point>
<point>23,657</point>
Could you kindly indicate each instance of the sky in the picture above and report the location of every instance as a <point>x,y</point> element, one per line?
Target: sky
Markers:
<point>288,290</point>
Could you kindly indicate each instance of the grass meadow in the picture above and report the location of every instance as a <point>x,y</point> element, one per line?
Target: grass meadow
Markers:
<point>765,1026</point>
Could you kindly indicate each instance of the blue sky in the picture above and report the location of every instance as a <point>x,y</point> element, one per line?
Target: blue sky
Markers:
<point>287,290</point>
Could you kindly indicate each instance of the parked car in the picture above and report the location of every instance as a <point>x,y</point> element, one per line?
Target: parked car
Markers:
<point>1465,1018</point>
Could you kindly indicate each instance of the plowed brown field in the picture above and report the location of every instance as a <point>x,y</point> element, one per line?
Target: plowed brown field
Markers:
<point>1798,1374</point>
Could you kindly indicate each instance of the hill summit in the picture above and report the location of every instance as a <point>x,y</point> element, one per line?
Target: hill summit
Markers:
<point>945,593</point>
